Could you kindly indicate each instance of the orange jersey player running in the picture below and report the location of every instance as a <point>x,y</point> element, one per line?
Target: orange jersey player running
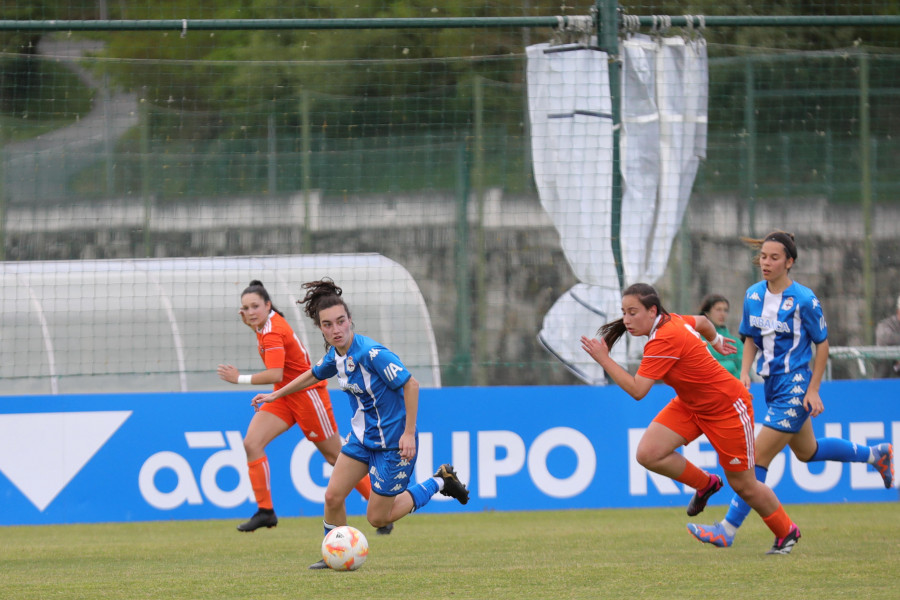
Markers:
<point>285,359</point>
<point>710,401</point>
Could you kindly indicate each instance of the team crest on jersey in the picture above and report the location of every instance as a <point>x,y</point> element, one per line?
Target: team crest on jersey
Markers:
<point>351,364</point>
<point>788,304</point>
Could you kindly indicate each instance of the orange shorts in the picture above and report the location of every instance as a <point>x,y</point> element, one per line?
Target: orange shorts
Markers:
<point>730,432</point>
<point>310,409</point>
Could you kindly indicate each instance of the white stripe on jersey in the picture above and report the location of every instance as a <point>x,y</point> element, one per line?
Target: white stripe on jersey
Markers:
<point>769,314</point>
<point>319,407</point>
<point>798,332</point>
<point>741,408</point>
<point>367,380</point>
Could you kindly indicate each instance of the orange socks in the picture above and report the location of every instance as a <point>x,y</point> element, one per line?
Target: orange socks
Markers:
<point>693,476</point>
<point>364,487</point>
<point>779,522</point>
<point>259,481</point>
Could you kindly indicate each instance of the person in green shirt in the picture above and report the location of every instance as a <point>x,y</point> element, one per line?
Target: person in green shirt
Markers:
<point>715,308</point>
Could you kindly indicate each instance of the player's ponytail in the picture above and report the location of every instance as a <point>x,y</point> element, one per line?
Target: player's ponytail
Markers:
<point>648,297</point>
<point>256,287</point>
<point>782,237</point>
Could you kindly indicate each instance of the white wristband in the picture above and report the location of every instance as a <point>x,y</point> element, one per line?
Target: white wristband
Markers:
<point>717,339</point>
<point>245,379</point>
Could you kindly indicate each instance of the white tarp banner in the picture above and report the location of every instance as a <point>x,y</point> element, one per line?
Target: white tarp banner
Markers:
<point>663,138</point>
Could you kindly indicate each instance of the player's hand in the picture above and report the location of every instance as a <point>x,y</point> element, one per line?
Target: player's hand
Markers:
<point>408,446</point>
<point>228,373</point>
<point>244,318</point>
<point>724,345</point>
<point>261,399</point>
<point>813,403</point>
<point>596,348</point>
<point>745,379</point>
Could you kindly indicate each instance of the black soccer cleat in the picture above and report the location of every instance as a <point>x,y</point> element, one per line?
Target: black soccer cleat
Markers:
<point>386,530</point>
<point>319,565</point>
<point>698,501</point>
<point>786,544</point>
<point>264,517</point>
<point>453,487</point>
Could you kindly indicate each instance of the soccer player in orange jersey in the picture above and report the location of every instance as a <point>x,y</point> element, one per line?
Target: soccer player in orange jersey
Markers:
<point>710,401</point>
<point>285,359</point>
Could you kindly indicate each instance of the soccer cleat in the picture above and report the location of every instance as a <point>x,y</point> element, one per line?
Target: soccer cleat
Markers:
<point>786,544</point>
<point>386,530</point>
<point>264,517</point>
<point>714,534</point>
<point>453,487</point>
<point>884,463</point>
<point>698,502</point>
<point>319,565</point>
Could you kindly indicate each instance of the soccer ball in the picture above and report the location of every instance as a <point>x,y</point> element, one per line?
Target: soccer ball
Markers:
<point>345,548</point>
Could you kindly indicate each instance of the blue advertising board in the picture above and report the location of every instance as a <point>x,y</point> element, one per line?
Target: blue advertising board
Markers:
<point>145,457</point>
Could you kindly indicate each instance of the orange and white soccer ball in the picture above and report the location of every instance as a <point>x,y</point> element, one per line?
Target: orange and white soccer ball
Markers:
<point>345,548</point>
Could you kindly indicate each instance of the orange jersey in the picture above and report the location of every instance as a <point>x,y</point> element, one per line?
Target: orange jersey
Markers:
<point>678,355</point>
<point>280,348</point>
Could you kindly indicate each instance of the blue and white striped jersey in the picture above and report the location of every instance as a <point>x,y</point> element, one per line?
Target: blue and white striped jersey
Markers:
<point>783,326</point>
<point>373,376</point>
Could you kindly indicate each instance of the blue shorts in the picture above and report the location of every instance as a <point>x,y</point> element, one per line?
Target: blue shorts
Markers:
<point>784,400</point>
<point>389,474</point>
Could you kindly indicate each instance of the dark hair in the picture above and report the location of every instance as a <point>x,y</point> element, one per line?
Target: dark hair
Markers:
<point>711,300</point>
<point>320,295</point>
<point>782,237</point>
<point>256,287</point>
<point>646,295</point>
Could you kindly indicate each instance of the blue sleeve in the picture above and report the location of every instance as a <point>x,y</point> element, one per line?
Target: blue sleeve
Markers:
<point>325,368</point>
<point>745,329</point>
<point>814,320</point>
<point>389,367</point>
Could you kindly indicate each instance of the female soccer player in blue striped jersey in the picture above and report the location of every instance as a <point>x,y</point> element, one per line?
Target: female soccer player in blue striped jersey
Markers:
<point>383,440</point>
<point>782,321</point>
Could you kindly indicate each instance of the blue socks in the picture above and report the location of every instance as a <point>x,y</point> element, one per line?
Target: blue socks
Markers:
<point>422,492</point>
<point>840,450</point>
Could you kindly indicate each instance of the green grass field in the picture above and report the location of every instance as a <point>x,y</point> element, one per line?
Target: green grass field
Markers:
<point>847,551</point>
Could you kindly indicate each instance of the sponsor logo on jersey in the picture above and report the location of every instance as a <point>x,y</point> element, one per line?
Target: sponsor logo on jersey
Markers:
<point>753,296</point>
<point>763,323</point>
<point>392,370</point>
<point>373,353</point>
<point>797,390</point>
<point>768,419</point>
<point>735,461</point>
<point>397,488</point>
<point>401,475</point>
<point>784,423</point>
<point>374,472</point>
<point>353,388</point>
<point>313,435</point>
<point>788,304</point>
<point>791,412</point>
<point>798,377</point>
<point>319,364</point>
<point>376,485</point>
<point>815,302</point>
<point>403,463</point>
<point>795,401</point>
<point>351,365</point>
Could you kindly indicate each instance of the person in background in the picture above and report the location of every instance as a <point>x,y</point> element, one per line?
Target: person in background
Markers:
<point>887,333</point>
<point>709,401</point>
<point>383,441</point>
<point>715,308</point>
<point>781,323</point>
<point>285,358</point>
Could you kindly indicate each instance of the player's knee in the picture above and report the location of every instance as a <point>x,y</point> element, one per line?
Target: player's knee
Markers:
<point>646,457</point>
<point>377,521</point>
<point>334,499</point>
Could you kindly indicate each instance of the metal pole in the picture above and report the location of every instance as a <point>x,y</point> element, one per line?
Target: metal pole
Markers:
<point>865,146</point>
<point>463,359</point>
<point>305,162</point>
<point>608,40</point>
<point>479,372</point>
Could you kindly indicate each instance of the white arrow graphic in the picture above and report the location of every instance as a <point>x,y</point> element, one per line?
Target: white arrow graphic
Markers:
<point>40,453</point>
